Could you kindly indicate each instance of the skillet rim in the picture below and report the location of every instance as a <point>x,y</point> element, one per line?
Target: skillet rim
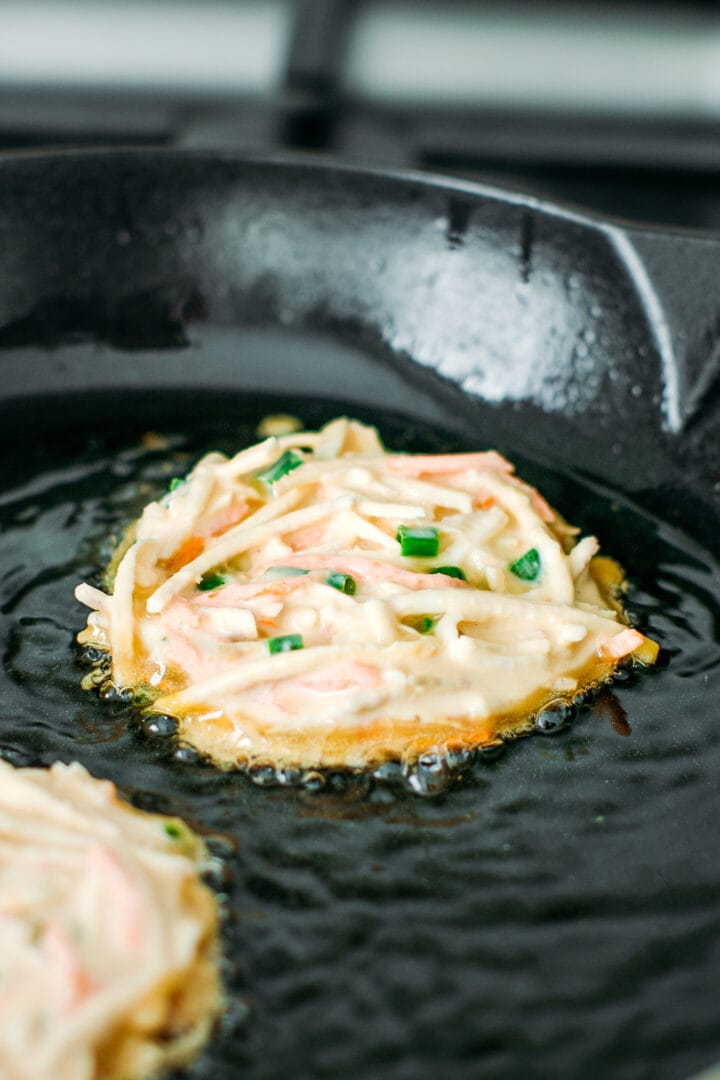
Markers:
<point>658,260</point>
<point>566,211</point>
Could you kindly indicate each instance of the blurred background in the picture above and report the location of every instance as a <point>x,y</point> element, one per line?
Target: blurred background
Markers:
<point>614,106</point>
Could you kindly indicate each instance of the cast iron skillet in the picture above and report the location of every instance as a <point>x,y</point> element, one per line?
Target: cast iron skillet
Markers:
<point>555,912</point>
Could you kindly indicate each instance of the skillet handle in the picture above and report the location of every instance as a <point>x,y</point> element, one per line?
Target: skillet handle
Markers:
<point>678,280</point>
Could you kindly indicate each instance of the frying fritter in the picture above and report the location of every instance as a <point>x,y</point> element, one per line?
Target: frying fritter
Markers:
<point>317,601</point>
<point>107,935</point>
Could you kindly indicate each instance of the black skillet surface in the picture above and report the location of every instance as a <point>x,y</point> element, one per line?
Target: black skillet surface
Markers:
<point>556,912</point>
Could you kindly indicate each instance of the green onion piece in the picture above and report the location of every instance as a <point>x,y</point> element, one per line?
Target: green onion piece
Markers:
<point>284,571</point>
<point>422,540</point>
<point>345,583</point>
<point>286,643</point>
<point>284,465</point>
<point>144,695</point>
<point>173,831</point>
<point>422,623</point>
<point>450,571</point>
<point>527,567</point>
<point>211,580</point>
<point>176,482</point>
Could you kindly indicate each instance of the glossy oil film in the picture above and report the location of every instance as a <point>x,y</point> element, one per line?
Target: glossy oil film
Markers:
<point>552,911</point>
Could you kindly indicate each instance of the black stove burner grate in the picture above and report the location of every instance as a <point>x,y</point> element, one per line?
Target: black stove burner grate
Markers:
<point>657,170</point>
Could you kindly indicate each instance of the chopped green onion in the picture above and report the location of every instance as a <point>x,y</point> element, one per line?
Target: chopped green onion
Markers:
<point>176,482</point>
<point>173,831</point>
<point>144,695</point>
<point>284,465</point>
<point>284,571</point>
<point>422,540</point>
<point>527,567</point>
<point>286,643</point>
<point>422,623</point>
<point>345,583</point>
<point>450,571</point>
<point>209,581</point>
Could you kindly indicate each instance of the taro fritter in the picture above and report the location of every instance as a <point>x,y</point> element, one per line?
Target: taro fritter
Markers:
<point>107,934</point>
<point>316,600</point>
